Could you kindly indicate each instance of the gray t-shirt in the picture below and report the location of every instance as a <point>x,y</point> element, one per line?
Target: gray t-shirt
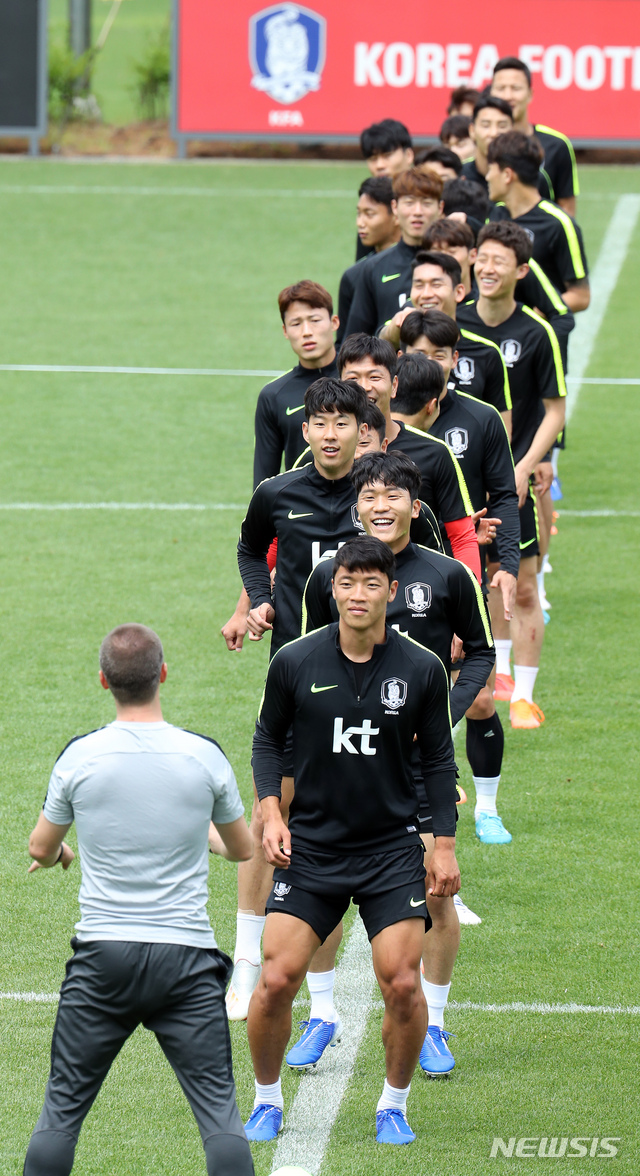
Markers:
<point>142,796</point>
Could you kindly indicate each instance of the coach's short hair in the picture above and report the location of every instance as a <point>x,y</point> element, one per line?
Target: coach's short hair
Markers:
<point>365,554</point>
<point>131,658</point>
<point>358,347</point>
<point>511,236</point>
<point>420,380</point>
<point>445,261</point>
<point>513,63</point>
<point>491,102</point>
<point>522,153</point>
<point>374,420</point>
<point>434,325</point>
<point>384,137</point>
<point>329,394</point>
<point>442,155</point>
<point>387,469</point>
<point>377,188</point>
<point>415,182</point>
<point>445,231</point>
<point>305,291</point>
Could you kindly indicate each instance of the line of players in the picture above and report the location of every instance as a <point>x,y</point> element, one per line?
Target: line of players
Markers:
<point>453,331</point>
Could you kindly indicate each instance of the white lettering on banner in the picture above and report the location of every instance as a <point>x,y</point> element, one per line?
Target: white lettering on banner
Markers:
<point>399,65</point>
<point>285,118</point>
<point>342,738</point>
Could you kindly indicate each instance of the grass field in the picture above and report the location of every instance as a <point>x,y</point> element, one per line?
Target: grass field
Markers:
<point>178,267</point>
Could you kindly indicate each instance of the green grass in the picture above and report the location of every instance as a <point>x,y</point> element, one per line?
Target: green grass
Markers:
<point>190,281</point>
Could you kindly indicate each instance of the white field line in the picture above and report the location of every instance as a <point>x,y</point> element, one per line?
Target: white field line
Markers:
<point>136,371</point>
<point>308,1124</point>
<point>157,190</point>
<point>600,514</point>
<point>604,278</point>
<point>180,506</point>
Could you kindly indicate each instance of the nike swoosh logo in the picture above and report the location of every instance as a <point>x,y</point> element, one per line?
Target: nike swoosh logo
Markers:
<point>415,904</point>
<point>389,277</point>
<point>318,689</point>
<point>290,411</point>
<point>291,515</point>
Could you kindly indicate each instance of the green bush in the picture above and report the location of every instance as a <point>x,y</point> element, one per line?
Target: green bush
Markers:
<point>153,77</point>
<point>69,79</point>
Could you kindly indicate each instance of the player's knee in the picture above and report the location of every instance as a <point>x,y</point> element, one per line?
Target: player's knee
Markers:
<point>401,989</point>
<point>442,912</point>
<point>526,594</point>
<point>483,706</point>
<point>279,982</point>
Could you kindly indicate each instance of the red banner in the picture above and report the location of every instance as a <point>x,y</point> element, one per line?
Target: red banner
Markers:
<point>330,68</point>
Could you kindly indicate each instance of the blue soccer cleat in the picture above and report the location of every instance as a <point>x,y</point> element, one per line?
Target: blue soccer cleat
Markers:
<point>306,1053</point>
<point>556,490</point>
<point>490,830</point>
<point>392,1126</point>
<point>264,1122</point>
<point>435,1056</point>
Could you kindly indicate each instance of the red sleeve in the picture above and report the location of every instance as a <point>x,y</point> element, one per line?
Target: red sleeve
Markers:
<point>272,554</point>
<point>464,544</point>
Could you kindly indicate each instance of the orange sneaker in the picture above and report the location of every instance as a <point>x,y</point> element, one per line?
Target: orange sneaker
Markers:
<point>525,714</point>
<point>504,687</point>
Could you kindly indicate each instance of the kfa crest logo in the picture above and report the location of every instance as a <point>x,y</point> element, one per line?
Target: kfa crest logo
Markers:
<point>393,693</point>
<point>511,351</point>
<point>355,518</point>
<point>458,440</point>
<point>465,369</point>
<point>530,234</point>
<point>418,598</point>
<point>287,49</point>
<point>280,890</point>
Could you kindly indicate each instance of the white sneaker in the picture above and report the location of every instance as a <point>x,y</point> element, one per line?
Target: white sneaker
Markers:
<point>546,566</point>
<point>465,915</point>
<point>542,597</point>
<point>243,981</point>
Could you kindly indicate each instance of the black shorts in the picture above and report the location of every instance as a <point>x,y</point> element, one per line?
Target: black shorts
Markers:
<point>529,530</point>
<point>318,887</point>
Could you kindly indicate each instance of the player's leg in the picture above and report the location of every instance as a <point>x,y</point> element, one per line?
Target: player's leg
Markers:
<point>255,879</point>
<point>92,1024</point>
<point>439,952</point>
<point>324,1026</point>
<point>193,1032</point>
<point>545,521</point>
<point>485,748</point>
<point>504,683</point>
<point>527,626</point>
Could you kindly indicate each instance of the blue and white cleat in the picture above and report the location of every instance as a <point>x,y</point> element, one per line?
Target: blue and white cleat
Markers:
<point>264,1122</point>
<point>435,1056</point>
<point>306,1053</point>
<point>392,1126</point>
<point>556,490</point>
<point>490,830</point>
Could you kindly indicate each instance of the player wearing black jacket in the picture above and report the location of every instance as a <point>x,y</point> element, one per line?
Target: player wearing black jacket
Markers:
<point>356,694</point>
<point>377,230</point>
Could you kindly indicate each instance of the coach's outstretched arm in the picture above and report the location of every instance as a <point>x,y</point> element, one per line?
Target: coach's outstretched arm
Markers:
<point>46,846</point>
<point>231,841</point>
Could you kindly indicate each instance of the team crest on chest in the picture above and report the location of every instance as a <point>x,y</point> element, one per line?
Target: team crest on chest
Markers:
<point>393,693</point>
<point>511,351</point>
<point>418,597</point>
<point>458,440</point>
<point>465,369</point>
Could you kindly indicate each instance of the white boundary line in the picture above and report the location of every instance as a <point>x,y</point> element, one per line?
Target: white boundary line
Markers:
<point>604,278</point>
<point>135,371</point>
<point>600,514</point>
<point>180,506</point>
<point>148,190</point>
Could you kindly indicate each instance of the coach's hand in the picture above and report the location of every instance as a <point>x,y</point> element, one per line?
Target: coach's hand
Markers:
<point>65,860</point>
<point>276,838</point>
<point>260,621</point>
<point>443,875</point>
<point>508,586</point>
<point>235,630</point>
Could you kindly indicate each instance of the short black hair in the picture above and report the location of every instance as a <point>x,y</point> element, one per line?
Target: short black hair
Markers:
<point>329,394</point>
<point>466,196</point>
<point>510,235</point>
<point>383,137</point>
<point>452,232</point>
<point>365,554</point>
<point>377,188</point>
<point>456,126</point>
<point>358,347</point>
<point>374,420</point>
<point>419,380</point>
<point>522,153</point>
<point>459,95</point>
<point>434,324</point>
<point>442,155</point>
<point>389,469</point>
<point>445,261</point>
<point>490,102</point>
<point>513,63</point>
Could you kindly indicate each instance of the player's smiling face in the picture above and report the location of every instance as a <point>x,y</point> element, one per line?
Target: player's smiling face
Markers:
<point>375,379</point>
<point>512,85</point>
<point>390,163</point>
<point>445,356</point>
<point>332,438</point>
<point>309,330</point>
<point>489,124</point>
<point>375,222</point>
<point>386,512</point>
<point>433,289</point>
<point>415,214</point>
<point>497,270</point>
<point>362,596</point>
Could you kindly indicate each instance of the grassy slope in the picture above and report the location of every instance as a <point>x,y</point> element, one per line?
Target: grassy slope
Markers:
<point>189,282</point>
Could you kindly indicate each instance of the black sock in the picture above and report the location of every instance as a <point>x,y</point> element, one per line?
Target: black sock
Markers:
<point>485,746</point>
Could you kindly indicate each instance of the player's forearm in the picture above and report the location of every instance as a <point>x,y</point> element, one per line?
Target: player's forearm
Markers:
<point>464,543</point>
<point>504,506</point>
<point>254,571</point>
<point>267,759</point>
<point>391,333</point>
<point>442,795</point>
<point>474,671</point>
<point>546,434</point>
<point>577,297</point>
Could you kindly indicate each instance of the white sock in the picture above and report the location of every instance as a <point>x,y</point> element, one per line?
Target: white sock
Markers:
<point>248,936</point>
<point>486,792</point>
<point>503,657</point>
<point>555,453</point>
<point>525,680</point>
<point>436,996</point>
<point>540,579</point>
<point>392,1096</point>
<point>270,1094</point>
<point>321,988</point>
